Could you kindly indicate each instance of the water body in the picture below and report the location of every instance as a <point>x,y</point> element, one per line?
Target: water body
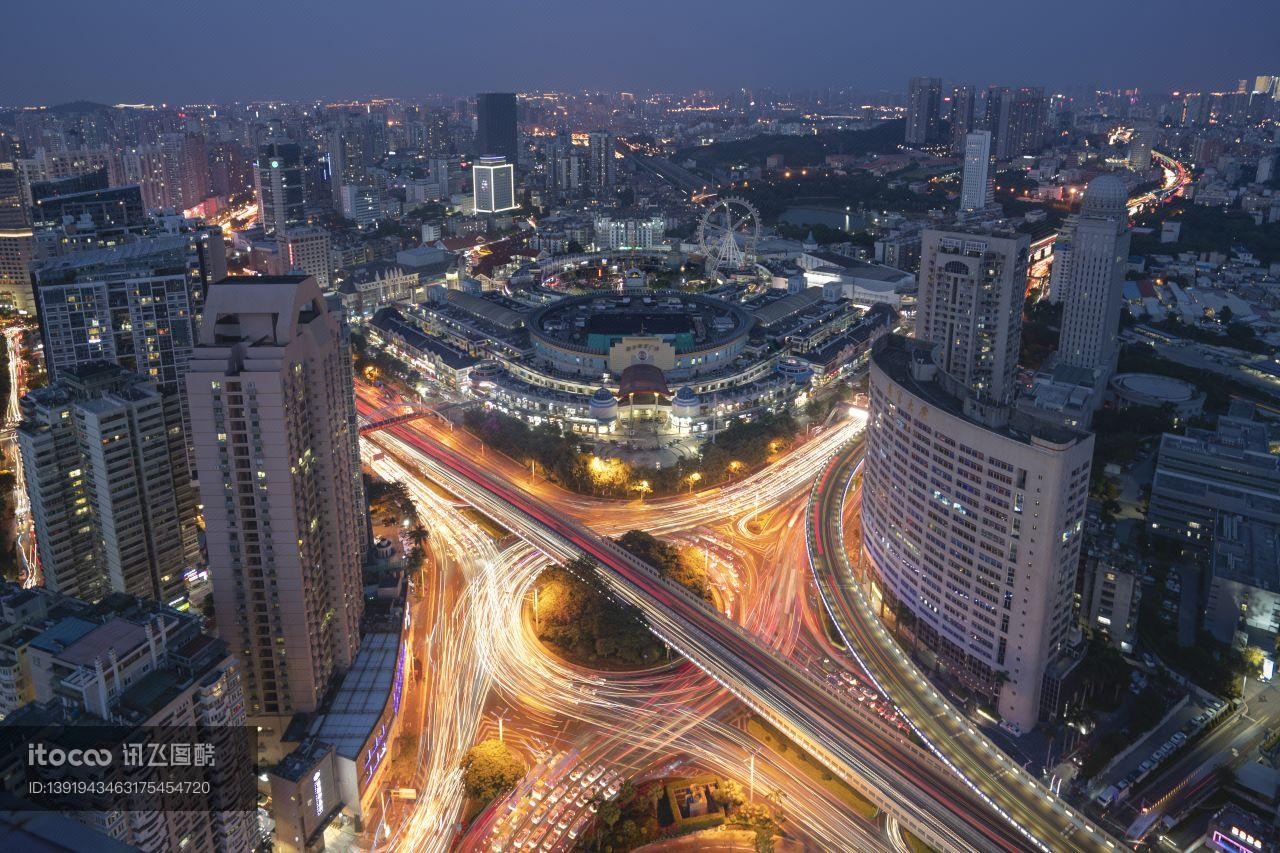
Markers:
<point>829,216</point>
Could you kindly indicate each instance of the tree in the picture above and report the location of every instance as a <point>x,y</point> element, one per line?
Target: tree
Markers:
<point>490,769</point>
<point>609,813</point>
<point>730,795</point>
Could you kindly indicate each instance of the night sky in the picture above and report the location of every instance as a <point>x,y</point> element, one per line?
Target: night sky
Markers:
<point>178,51</point>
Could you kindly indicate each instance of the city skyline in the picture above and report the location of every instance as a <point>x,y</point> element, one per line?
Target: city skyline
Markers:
<point>114,58</point>
<point>873,447</point>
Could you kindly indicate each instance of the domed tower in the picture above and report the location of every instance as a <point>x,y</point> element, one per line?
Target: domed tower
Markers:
<point>604,406</point>
<point>685,404</point>
<point>1106,197</point>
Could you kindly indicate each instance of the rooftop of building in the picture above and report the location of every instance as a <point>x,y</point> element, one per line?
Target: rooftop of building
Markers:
<point>1247,551</point>
<point>353,712</point>
<point>901,358</point>
<point>147,247</point>
<point>703,320</point>
<point>391,321</point>
<point>298,763</point>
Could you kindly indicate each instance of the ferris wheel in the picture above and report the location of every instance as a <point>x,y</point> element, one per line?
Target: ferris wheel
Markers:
<point>728,234</point>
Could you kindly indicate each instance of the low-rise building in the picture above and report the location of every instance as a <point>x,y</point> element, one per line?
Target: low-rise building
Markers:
<point>1244,590</point>
<point>1206,472</point>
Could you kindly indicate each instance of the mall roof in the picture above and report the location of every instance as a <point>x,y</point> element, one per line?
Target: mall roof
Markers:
<point>355,709</point>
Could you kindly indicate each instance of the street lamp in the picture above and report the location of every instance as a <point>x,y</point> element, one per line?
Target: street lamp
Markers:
<point>693,480</point>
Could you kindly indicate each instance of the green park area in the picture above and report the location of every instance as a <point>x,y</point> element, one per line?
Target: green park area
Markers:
<point>581,622</point>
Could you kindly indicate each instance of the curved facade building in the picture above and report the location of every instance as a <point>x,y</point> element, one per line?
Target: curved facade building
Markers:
<point>971,523</point>
<point>684,335</point>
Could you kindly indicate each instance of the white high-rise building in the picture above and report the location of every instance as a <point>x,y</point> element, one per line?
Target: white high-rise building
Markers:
<point>271,395</point>
<point>976,192</point>
<point>614,234</point>
<point>494,183</point>
<point>972,285</point>
<point>972,526</point>
<point>1091,287</point>
<point>106,470</point>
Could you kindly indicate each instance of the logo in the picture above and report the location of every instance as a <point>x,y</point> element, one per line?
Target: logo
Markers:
<point>39,755</point>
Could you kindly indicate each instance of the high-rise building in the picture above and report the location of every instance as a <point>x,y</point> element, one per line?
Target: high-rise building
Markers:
<point>147,671</point>
<point>278,178</point>
<point>17,242</point>
<point>306,251</point>
<point>144,166</point>
<point>924,110</point>
<point>972,285</point>
<point>1016,119</point>
<point>629,233</point>
<point>1140,147</point>
<point>962,116</point>
<point>601,165</point>
<point>973,526</point>
<point>975,191</point>
<point>1091,288</point>
<point>136,305</point>
<point>361,203</point>
<point>106,471</point>
<point>494,184</point>
<point>107,213</point>
<point>496,125</point>
<point>186,169</point>
<point>273,416</point>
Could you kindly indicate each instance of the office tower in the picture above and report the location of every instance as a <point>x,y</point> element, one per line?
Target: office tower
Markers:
<point>106,471</point>
<point>1206,474</point>
<point>973,526</point>
<point>494,182</point>
<point>962,116</point>
<point>601,165</point>
<point>108,213</point>
<point>1140,147</point>
<point>17,242</point>
<point>149,672</point>
<point>83,182</point>
<point>1091,288</point>
<point>278,179</point>
<point>972,285</point>
<point>136,305</point>
<point>1016,119</point>
<point>496,125</point>
<point>46,165</point>
<point>975,190</point>
<point>306,251</point>
<point>273,417</point>
<point>924,110</point>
